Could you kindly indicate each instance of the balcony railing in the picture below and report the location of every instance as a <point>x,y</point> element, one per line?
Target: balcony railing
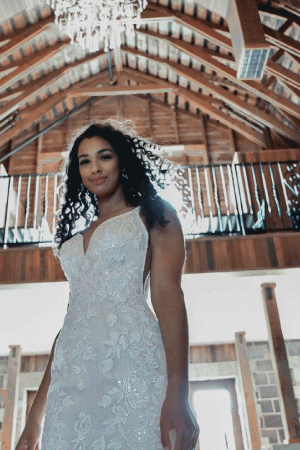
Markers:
<point>224,199</point>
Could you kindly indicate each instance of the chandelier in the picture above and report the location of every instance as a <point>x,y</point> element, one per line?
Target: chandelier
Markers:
<point>94,23</point>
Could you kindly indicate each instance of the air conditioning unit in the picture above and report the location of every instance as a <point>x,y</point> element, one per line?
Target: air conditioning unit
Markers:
<point>250,48</point>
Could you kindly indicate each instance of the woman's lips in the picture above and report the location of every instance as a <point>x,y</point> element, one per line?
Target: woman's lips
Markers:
<point>98,181</point>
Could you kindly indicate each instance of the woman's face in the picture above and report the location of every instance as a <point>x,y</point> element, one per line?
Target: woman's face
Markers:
<point>99,166</point>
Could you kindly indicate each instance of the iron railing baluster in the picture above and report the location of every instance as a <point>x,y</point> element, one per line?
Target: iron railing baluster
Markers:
<point>190,178</point>
<point>288,210</point>
<point>36,202</point>
<point>54,205</point>
<point>44,224</point>
<point>209,200</point>
<point>266,193</point>
<point>225,198</point>
<point>17,209</point>
<point>200,201</point>
<point>216,197</point>
<point>27,204</point>
<point>275,193</point>
<point>6,216</point>
<point>237,190</point>
<point>231,182</point>
<point>247,188</point>
<point>221,201</point>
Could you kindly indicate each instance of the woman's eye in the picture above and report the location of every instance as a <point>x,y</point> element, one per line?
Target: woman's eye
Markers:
<point>106,157</point>
<point>83,161</point>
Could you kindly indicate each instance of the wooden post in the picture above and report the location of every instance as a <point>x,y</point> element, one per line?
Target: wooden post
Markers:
<point>245,374</point>
<point>280,364</point>
<point>211,187</point>
<point>12,390</point>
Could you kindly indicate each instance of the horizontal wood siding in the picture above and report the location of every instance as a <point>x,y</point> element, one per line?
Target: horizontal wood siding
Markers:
<point>156,121</point>
<point>219,254</point>
<point>225,254</point>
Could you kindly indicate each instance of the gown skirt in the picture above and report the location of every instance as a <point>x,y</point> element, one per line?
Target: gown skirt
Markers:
<point>108,374</point>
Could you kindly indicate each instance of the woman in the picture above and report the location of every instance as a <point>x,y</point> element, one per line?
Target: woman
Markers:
<point>119,376</point>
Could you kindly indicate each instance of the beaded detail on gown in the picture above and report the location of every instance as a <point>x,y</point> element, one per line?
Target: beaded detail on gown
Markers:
<point>108,374</point>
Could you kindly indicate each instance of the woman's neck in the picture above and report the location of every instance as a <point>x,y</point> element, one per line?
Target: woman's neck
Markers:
<point>111,204</point>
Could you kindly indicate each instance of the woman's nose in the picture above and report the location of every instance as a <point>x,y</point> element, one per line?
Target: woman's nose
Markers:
<point>96,167</point>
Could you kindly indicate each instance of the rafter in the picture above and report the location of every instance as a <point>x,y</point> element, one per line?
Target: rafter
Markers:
<point>201,101</point>
<point>287,6</point>
<point>118,90</point>
<point>26,122</point>
<point>255,114</point>
<point>20,37</point>
<point>191,48</point>
<point>204,28</point>
<point>280,40</point>
<point>197,101</point>
<point>253,86</point>
<point>31,89</point>
<point>31,63</point>
<point>284,74</point>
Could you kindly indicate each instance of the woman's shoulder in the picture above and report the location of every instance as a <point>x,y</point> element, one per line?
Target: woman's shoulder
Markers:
<point>170,213</point>
<point>172,223</point>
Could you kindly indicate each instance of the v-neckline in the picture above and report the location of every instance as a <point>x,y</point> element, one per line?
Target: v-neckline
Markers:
<point>99,226</point>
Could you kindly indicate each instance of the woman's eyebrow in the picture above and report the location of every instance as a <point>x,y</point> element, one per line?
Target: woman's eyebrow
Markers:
<point>99,151</point>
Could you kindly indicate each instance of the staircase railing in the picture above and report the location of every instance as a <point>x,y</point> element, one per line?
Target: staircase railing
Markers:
<point>223,199</point>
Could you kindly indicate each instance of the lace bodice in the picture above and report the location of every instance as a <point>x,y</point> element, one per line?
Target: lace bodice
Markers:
<point>108,375</point>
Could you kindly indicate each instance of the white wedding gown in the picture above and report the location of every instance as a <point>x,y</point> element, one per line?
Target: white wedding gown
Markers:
<point>108,375</point>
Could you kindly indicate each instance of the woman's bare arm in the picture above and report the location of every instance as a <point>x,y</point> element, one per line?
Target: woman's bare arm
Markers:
<point>167,259</point>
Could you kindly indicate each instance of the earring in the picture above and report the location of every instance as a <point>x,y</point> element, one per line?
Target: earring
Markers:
<point>125,175</point>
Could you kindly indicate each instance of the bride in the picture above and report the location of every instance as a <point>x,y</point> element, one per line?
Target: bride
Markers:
<point>117,375</point>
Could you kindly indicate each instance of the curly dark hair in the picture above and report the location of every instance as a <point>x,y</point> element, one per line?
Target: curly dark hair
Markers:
<point>140,166</point>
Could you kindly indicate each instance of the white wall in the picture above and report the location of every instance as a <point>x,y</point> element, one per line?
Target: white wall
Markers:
<point>218,305</point>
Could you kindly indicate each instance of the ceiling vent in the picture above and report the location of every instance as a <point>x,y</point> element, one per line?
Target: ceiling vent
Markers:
<point>250,48</point>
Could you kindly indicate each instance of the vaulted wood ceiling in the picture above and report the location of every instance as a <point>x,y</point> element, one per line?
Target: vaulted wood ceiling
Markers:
<point>181,56</point>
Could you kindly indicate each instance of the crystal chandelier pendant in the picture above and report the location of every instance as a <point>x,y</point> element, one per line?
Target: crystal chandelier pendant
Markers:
<point>94,24</point>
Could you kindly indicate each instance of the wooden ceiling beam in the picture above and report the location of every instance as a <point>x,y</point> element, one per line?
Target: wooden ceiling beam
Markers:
<point>26,65</point>
<point>20,37</point>
<point>208,61</point>
<point>280,40</point>
<point>288,6</point>
<point>284,74</point>
<point>118,90</point>
<point>204,28</point>
<point>26,122</point>
<point>196,100</point>
<point>12,93</point>
<point>257,115</point>
<point>30,89</point>
<point>204,104</point>
<point>252,112</point>
<point>285,26</point>
<point>189,47</point>
<point>273,10</point>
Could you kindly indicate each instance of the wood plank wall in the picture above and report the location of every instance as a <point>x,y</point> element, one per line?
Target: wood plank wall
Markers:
<point>259,252</point>
<point>156,121</point>
<point>198,354</point>
<point>218,254</point>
